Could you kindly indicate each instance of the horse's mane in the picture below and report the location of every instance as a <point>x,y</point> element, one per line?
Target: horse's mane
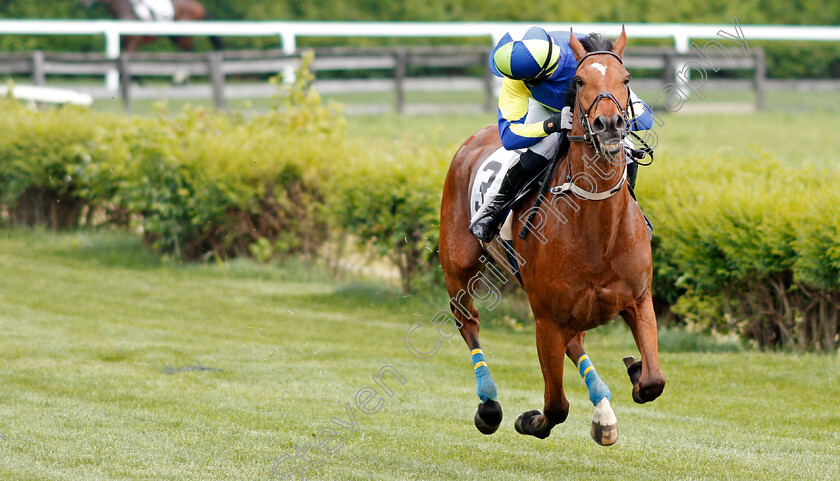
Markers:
<point>593,42</point>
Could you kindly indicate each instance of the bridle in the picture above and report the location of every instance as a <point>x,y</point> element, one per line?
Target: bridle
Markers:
<point>591,137</point>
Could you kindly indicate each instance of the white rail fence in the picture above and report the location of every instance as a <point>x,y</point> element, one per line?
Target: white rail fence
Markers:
<point>289,32</point>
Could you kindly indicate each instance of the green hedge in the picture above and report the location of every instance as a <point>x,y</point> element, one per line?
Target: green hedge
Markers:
<point>390,201</point>
<point>40,155</point>
<point>196,183</point>
<point>748,245</point>
<point>199,184</point>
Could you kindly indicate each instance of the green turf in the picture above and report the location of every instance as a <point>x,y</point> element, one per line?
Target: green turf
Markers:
<point>92,324</point>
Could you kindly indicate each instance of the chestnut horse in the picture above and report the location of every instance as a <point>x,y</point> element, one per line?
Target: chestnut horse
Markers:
<point>589,261</point>
<point>184,10</point>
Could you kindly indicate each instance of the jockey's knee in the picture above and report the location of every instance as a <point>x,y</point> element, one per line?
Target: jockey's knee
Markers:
<point>542,152</point>
<point>532,161</point>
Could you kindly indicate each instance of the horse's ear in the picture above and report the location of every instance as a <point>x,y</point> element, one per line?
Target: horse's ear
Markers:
<point>620,42</point>
<point>577,47</point>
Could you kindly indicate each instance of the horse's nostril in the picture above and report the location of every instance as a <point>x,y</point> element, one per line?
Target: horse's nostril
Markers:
<point>618,122</point>
<point>599,124</point>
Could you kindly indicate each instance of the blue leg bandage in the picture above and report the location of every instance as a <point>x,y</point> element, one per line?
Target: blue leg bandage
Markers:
<point>485,387</point>
<point>597,389</point>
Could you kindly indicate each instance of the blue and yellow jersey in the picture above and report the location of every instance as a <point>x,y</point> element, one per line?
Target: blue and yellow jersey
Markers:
<point>551,93</point>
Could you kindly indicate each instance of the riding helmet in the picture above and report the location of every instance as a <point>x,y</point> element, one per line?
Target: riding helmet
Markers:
<point>531,57</point>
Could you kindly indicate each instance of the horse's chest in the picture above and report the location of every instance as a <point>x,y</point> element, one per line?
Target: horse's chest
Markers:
<point>590,294</point>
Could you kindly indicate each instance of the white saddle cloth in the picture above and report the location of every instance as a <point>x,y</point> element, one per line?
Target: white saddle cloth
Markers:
<point>486,184</point>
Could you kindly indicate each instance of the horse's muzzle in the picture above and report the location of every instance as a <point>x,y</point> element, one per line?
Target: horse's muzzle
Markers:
<point>610,132</point>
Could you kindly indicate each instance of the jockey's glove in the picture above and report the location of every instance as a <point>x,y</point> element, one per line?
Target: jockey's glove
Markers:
<point>559,121</point>
<point>553,123</point>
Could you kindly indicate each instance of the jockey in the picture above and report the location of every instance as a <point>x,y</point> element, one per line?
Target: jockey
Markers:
<point>536,72</point>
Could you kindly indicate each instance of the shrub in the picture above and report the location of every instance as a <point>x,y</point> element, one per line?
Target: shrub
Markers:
<point>40,154</point>
<point>749,245</point>
<point>202,183</point>
<point>196,183</point>
<point>389,199</point>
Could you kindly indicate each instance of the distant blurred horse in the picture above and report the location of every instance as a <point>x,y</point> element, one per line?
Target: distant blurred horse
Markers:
<point>183,10</point>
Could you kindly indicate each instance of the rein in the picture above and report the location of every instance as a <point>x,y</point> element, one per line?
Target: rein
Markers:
<point>591,138</point>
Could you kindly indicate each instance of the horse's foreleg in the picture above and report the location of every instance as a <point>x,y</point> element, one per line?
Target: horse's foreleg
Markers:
<point>648,380</point>
<point>551,342</point>
<point>488,415</point>
<point>604,425</point>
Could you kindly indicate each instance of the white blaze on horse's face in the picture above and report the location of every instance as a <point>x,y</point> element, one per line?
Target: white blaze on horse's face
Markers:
<point>599,67</point>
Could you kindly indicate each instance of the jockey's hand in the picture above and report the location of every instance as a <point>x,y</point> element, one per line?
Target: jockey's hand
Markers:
<point>559,121</point>
<point>553,123</point>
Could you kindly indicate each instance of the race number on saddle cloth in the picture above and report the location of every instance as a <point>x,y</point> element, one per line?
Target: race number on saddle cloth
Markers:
<point>537,69</point>
<point>154,10</point>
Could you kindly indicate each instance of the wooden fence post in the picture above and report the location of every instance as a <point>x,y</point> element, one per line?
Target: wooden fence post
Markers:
<point>217,76</point>
<point>489,96</point>
<point>38,77</point>
<point>125,81</point>
<point>401,58</point>
<point>758,80</point>
<point>669,68</point>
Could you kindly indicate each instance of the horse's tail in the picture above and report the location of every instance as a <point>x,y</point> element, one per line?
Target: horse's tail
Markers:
<point>218,43</point>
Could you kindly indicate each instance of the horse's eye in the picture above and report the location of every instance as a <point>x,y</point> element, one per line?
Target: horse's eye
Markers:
<point>627,80</point>
<point>578,81</point>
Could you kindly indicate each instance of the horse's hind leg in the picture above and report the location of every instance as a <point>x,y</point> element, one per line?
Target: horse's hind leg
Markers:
<point>460,270</point>
<point>460,258</point>
<point>645,374</point>
<point>604,426</point>
<point>551,341</point>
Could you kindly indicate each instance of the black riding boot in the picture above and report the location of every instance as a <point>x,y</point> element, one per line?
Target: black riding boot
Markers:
<point>486,227</point>
<point>632,173</point>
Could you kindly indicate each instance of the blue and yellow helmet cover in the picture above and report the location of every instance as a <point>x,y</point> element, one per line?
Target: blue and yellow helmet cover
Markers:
<point>533,55</point>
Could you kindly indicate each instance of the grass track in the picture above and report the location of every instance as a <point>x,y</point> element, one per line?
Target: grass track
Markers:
<point>90,320</point>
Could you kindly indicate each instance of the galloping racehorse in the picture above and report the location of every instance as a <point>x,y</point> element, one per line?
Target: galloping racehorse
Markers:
<point>183,10</point>
<point>587,260</point>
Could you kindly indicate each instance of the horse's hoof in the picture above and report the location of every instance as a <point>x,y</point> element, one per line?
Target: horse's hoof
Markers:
<point>634,368</point>
<point>525,418</point>
<point>604,435</point>
<point>604,426</point>
<point>488,416</point>
<point>524,424</point>
<point>647,393</point>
